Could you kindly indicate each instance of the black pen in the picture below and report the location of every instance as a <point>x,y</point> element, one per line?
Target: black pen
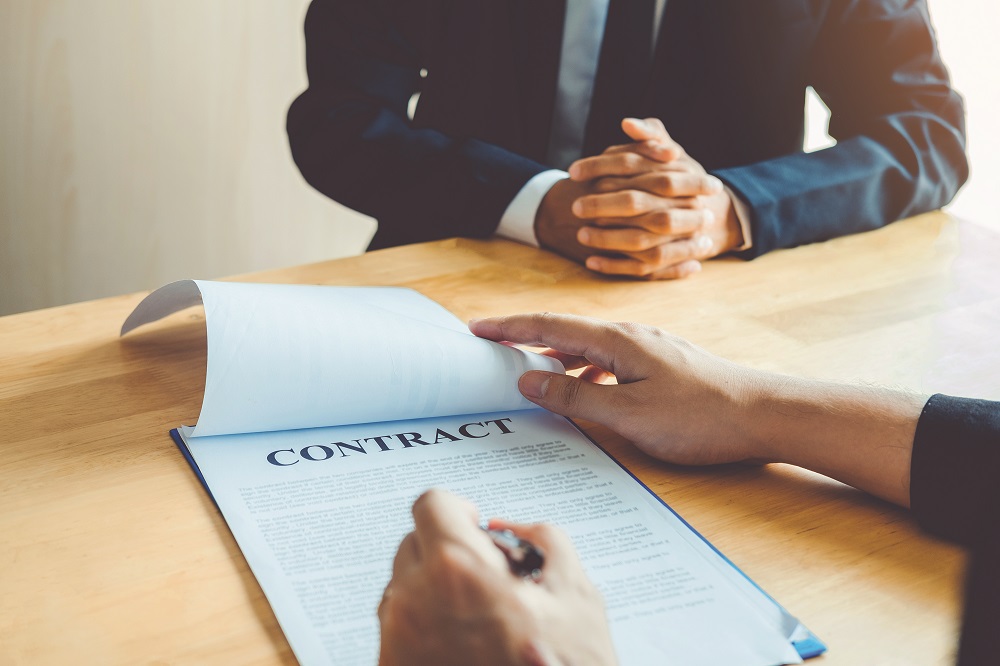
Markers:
<point>525,558</point>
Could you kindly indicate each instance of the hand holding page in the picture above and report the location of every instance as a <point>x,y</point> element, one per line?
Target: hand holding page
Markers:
<point>328,410</point>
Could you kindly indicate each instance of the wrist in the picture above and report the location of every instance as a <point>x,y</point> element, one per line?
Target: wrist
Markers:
<point>555,224</point>
<point>518,220</point>
<point>761,413</point>
<point>734,227</point>
<point>774,406</point>
<point>740,220</point>
<point>545,217</point>
<point>859,435</point>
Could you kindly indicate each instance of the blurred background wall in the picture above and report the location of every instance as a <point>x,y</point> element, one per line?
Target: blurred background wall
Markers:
<point>142,141</point>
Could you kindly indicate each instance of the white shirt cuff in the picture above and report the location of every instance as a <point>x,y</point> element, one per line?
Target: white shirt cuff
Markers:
<point>518,221</point>
<point>743,216</point>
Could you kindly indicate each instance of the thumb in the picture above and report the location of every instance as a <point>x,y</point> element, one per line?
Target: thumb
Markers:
<point>568,396</point>
<point>645,130</point>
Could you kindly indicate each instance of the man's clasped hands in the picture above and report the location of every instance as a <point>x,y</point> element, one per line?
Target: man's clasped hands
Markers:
<point>644,209</point>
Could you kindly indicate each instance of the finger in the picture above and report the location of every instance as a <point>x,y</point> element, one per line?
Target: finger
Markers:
<point>595,375</point>
<point>611,164</point>
<point>569,361</point>
<point>562,565</point>
<point>571,396</point>
<point>678,272</point>
<point>408,553</point>
<point>673,222</point>
<point>440,516</point>
<point>620,240</point>
<point>408,556</point>
<point>633,268</point>
<point>380,611</point>
<point>664,184</point>
<point>627,203</point>
<point>407,559</point>
<point>656,259</point>
<point>612,347</point>
<point>650,230</point>
<point>642,129</point>
<point>664,152</point>
<point>697,247</point>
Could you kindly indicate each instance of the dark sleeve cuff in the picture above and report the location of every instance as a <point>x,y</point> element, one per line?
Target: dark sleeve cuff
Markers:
<point>955,469</point>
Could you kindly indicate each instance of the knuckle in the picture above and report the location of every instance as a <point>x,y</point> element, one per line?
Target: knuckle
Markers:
<point>640,268</point>
<point>605,185</point>
<point>644,268</point>
<point>661,254</point>
<point>598,238</point>
<point>543,319</point>
<point>661,221</point>
<point>640,241</point>
<point>676,220</point>
<point>587,205</point>
<point>568,392</point>
<point>633,200</point>
<point>631,330</point>
<point>631,161</point>
<point>644,341</point>
<point>583,170</point>
<point>671,184</point>
<point>503,325</point>
<point>662,183</point>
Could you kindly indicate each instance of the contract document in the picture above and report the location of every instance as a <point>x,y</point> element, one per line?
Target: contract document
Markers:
<point>314,444</point>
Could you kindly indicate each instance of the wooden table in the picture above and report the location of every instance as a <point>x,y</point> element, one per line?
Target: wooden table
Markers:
<point>111,552</point>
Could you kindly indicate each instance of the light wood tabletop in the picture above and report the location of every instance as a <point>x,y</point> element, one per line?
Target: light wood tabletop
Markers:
<point>112,553</point>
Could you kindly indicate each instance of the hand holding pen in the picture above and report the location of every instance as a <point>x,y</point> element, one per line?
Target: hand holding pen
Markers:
<point>463,595</point>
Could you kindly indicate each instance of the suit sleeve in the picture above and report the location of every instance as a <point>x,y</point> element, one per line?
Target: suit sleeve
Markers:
<point>955,494</point>
<point>955,469</point>
<point>353,141</point>
<point>899,126</point>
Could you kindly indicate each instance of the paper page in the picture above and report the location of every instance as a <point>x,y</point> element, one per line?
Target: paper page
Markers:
<point>319,514</point>
<point>282,357</point>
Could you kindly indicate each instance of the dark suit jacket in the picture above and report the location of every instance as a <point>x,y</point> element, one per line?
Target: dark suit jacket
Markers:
<point>728,81</point>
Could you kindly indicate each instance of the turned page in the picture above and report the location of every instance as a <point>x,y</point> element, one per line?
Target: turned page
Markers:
<point>284,357</point>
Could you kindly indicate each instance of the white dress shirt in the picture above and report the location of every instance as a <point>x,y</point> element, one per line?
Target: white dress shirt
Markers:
<point>583,31</point>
